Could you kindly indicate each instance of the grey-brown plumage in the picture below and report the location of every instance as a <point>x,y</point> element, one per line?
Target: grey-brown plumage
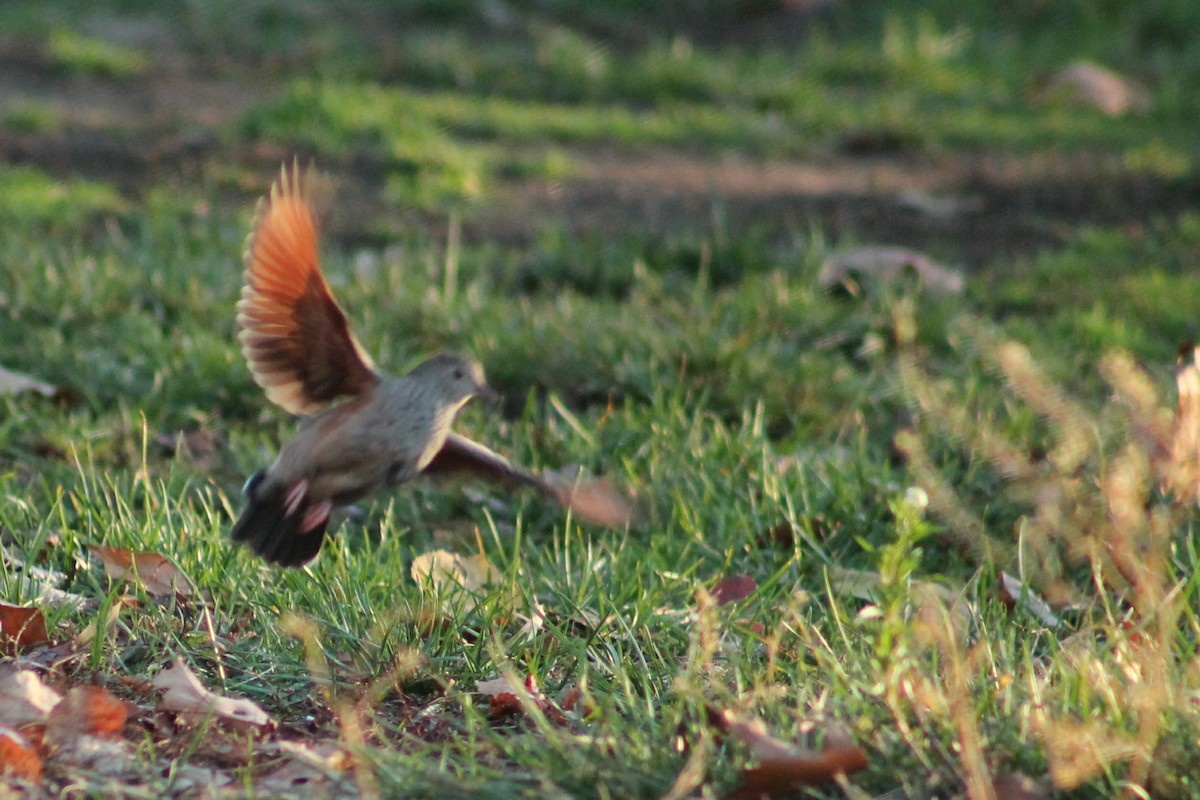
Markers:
<point>301,351</point>
<point>379,440</point>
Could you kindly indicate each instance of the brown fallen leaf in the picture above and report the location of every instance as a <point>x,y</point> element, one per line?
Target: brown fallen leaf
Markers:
<point>24,699</point>
<point>883,264</point>
<point>446,571</point>
<point>153,572</point>
<point>21,628</point>
<point>507,698</point>
<point>183,692</point>
<point>733,588</point>
<point>198,446</point>
<point>783,534</point>
<point>318,770</point>
<point>456,582</point>
<point>783,766</point>
<point>1084,83</point>
<point>111,757</point>
<point>18,757</point>
<point>504,706</point>
<point>91,710</point>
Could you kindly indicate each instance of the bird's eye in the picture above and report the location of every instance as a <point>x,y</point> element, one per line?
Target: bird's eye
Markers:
<point>458,374</point>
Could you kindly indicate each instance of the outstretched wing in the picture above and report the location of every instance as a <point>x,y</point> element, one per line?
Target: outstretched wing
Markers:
<point>294,336</point>
<point>590,499</point>
<point>463,457</point>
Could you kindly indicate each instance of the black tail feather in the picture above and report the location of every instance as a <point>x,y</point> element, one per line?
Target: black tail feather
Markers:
<point>269,531</point>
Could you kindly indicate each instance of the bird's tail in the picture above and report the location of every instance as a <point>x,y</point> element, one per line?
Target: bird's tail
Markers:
<point>280,523</point>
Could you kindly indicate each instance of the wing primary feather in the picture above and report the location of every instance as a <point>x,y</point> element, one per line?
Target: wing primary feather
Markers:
<point>294,336</point>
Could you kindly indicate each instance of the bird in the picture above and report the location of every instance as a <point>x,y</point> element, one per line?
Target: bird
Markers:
<point>363,432</point>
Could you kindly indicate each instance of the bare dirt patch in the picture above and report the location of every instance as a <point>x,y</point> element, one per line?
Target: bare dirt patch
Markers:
<point>171,125</point>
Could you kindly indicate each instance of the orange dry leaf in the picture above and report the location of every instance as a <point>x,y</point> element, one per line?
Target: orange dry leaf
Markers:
<point>507,699</point>
<point>153,572</point>
<point>21,628</point>
<point>90,710</point>
<point>784,766</point>
<point>18,756</point>
<point>504,706</point>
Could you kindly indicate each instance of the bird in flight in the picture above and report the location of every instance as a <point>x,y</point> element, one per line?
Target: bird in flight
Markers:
<point>363,431</point>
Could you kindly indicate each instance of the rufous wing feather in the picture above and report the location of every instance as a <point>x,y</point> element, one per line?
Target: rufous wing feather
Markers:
<point>294,336</point>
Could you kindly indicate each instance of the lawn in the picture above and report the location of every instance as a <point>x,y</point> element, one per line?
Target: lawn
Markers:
<point>897,540</point>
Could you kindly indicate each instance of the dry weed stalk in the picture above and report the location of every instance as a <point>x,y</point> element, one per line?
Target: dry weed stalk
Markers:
<point>1112,492</point>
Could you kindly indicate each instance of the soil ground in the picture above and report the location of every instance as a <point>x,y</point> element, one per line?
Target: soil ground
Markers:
<point>968,207</point>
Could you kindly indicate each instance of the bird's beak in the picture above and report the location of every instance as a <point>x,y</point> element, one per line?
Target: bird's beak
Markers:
<point>490,396</point>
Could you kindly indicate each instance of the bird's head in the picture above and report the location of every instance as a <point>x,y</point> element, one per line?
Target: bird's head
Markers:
<point>459,378</point>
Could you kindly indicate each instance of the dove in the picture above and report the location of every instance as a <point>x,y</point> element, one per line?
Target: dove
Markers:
<point>363,431</point>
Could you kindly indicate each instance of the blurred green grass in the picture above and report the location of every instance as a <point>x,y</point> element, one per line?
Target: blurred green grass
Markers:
<point>755,413</point>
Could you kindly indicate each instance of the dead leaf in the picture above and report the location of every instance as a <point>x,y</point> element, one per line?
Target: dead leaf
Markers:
<point>733,588</point>
<point>456,581</point>
<point>198,446</point>
<point>868,585</point>
<point>446,571</point>
<point>783,766</point>
<point>183,692</point>
<point>883,264</point>
<point>153,572</point>
<point>1087,84</point>
<point>39,584</point>
<point>111,757</point>
<point>1014,593</point>
<point>504,706</point>
<point>783,534</point>
<point>16,383</point>
<point>18,757</point>
<point>21,628</point>
<point>533,622</point>
<point>858,583</point>
<point>938,206</point>
<point>24,699</point>
<point>91,710</point>
<point>507,698</point>
<point>309,771</point>
<point>98,626</point>
<point>495,686</point>
<point>189,780</point>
